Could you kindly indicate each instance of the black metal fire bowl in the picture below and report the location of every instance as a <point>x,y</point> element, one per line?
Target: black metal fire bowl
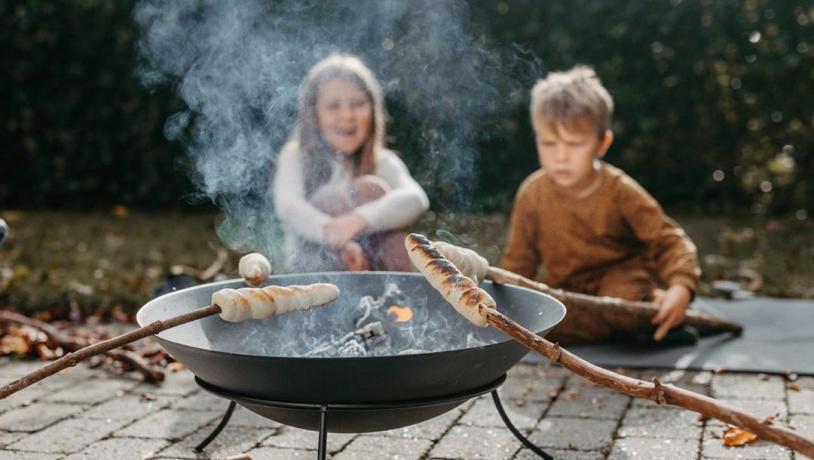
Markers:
<point>225,355</point>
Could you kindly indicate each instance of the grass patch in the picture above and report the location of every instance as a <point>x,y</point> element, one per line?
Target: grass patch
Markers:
<point>117,260</point>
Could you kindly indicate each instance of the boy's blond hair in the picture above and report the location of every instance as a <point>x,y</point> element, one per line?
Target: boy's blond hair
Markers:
<point>570,97</point>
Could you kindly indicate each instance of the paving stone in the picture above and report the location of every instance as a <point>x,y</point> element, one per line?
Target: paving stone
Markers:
<point>540,370</point>
<point>472,442</point>
<point>759,408</point>
<point>8,437</point>
<point>801,402</point>
<point>375,447</point>
<point>129,407</point>
<point>806,382</point>
<point>295,438</point>
<point>91,391</point>
<point>120,449</point>
<point>278,453</point>
<point>33,393</point>
<point>200,400</point>
<point>581,399</point>
<point>67,436</point>
<point>12,368</point>
<point>537,389</point>
<point>18,455</point>
<point>484,413</point>
<point>431,429</point>
<point>748,386</point>
<point>180,383</point>
<point>169,424</point>
<point>573,433</point>
<point>560,454</point>
<point>244,417</point>
<point>660,422</point>
<point>713,447</point>
<point>697,381</point>
<point>804,424</point>
<point>654,449</point>
<point>36,416</point>
<point>233,440</point>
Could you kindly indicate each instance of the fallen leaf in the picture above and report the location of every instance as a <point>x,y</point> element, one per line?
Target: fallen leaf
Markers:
<point>147,397</point>
<point>175,367</point>
<point>570,394</point>
<point>736,437</point>
<point>794,387</point>
<point>519,402</point>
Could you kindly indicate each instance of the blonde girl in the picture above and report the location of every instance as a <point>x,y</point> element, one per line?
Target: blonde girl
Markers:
<point>341,196</point>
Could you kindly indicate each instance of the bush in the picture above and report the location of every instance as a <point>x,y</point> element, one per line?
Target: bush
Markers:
<point>713,102</point>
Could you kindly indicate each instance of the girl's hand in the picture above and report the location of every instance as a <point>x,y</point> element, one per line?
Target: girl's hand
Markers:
<point>340,230</point>
<point>354,257</point>
<point>672,305</point>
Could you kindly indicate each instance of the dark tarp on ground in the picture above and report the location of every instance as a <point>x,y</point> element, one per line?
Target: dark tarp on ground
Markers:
<point>778,337</point>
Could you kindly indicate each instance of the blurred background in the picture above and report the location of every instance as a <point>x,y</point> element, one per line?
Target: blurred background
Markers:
<point>713,116</point>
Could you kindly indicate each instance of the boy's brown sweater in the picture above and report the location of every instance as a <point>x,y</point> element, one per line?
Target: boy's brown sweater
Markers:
<point>577,238</point>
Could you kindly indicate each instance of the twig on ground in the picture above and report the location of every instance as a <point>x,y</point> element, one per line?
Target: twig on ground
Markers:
<point>71,344</point>
<point>71,359</point>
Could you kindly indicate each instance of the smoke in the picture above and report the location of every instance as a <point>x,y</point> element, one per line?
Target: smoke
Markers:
<point>238,66</point>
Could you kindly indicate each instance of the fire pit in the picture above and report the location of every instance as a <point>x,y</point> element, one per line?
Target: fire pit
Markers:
<point>436,360</point>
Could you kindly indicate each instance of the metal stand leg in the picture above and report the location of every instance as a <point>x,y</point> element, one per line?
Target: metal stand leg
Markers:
<point>323,433</point>
<point>200,447</point>
<point>515,431</point>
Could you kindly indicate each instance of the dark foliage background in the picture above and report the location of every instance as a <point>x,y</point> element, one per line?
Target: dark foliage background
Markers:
<point>713,103</point>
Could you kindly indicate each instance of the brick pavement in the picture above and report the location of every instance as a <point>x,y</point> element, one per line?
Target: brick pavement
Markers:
<point>88,414</point>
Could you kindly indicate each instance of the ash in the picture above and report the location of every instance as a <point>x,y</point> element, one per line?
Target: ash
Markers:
<point>375,332</point>
<point>361,329</point>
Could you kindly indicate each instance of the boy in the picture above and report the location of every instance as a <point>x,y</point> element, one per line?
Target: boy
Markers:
<point>594,229</point>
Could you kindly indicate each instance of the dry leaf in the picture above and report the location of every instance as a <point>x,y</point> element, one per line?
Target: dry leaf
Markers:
<point>175,367</point>
<point>736,437</point>
<point>147,397</point>
<point>570,394</point>
<point>794,387</point>
<point>519,402</point>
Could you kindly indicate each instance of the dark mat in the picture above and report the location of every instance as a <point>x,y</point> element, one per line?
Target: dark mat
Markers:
<point>778,337</point>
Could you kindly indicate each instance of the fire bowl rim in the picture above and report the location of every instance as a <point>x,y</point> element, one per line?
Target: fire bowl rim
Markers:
<point>164,298</point>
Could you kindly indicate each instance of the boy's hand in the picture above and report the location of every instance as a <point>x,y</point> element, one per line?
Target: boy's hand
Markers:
<point>672,305</point>
<point>340,230</point>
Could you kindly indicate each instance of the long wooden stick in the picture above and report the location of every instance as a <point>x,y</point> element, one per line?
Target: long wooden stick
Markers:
<point>654,391</point>
<point>644,311</point>
<point>71,359</point>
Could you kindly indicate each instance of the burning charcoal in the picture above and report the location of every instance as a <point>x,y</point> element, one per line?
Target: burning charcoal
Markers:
<point>357,343</point>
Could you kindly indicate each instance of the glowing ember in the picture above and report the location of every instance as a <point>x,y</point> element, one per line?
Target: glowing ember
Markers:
<point>402,314</point>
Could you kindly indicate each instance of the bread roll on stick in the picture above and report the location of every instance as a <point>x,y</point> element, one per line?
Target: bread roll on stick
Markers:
<point>470,263</point>
<point>254,268</point>
<point>465,296</point>
<point>241,304</point>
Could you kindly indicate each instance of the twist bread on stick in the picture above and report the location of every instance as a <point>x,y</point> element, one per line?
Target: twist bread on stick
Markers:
<point>461,292</point>
<point>244,303</point>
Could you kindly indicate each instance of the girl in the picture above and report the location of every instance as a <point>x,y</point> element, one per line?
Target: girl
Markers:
<point>341,195</point>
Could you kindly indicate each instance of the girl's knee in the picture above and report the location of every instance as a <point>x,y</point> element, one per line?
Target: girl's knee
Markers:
<point>368,188</point>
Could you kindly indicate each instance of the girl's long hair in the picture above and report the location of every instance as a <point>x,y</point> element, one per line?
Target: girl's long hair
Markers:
<point>317,156</point>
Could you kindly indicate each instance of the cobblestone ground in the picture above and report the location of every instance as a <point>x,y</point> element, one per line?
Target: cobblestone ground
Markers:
<point>88,414</point>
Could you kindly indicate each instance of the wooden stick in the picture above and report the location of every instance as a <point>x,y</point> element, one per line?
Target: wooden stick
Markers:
<point>642,311</point>
<point>69,344</point>
<point>71,359</point>
<point>654,391</point>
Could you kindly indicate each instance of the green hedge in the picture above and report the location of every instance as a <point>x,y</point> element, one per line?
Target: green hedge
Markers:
<point>700,86</point>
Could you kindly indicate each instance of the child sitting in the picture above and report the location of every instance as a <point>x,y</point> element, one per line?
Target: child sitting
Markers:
<point>593,228</point>
<point>340,194</point>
